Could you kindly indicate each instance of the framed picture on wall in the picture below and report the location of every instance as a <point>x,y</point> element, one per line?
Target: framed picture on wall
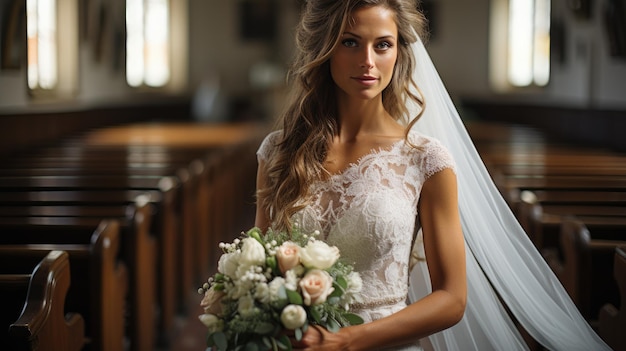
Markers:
<point>12,33</point>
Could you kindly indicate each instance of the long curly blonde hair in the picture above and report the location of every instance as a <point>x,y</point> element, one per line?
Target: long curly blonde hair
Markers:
<point>310,119</point>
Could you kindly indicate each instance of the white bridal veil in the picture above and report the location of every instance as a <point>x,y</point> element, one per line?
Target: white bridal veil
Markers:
<point>501,259</point>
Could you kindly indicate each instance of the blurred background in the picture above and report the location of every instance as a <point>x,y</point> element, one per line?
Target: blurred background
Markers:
<point>138,121</point>
<point>227,59</point>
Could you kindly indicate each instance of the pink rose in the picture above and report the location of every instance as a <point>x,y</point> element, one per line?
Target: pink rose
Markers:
<point>211,302</point>
<point>288,256</point>
<point>316,286</point>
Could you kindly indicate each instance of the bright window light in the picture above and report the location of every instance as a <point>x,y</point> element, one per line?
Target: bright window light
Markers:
<point>148,33</point>
<point>528,42</point>
<point>541,68</point>
<point>41,29</point>
<point>520,42</point>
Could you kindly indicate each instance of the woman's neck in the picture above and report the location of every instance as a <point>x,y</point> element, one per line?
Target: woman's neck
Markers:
<point>364,119</point>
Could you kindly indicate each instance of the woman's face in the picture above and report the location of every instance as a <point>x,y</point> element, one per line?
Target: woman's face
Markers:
<point>362,64</point>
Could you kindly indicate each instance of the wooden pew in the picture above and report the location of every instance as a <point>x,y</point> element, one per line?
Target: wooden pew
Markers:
<point>33,311</point>
<point>156,171</point>
<point>137,251</point>
<point>177,278</point>
<point>151,150</point>
<point>539,212</point>
<point>612,321</point>
<point>587,268</point>
<point>165,219</point>
<point>511,186</point>
<point>99,279</point>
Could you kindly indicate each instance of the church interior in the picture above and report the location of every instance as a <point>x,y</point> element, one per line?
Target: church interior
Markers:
<point>129,130</point>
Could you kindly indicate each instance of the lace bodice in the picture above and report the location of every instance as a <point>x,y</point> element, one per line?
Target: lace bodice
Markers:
<point>369,212</point>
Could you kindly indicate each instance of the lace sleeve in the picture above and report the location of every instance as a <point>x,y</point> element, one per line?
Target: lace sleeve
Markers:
<point>267,146</point>
<point>436,158</point>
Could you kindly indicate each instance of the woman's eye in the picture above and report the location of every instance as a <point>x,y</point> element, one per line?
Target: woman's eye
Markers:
<point>349,43</point>
<point>384,45</point>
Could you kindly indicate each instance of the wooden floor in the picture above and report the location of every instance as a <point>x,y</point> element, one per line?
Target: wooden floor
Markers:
<point>191,335</point>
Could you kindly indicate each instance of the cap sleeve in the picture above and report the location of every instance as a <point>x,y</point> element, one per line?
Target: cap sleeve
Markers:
<point>267,146</point>
<point>436,158</point>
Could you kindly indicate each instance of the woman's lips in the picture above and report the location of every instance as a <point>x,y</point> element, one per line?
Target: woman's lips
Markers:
<point>366,80</point>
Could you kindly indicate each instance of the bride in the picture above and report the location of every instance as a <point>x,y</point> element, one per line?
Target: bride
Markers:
<point>372,152</point>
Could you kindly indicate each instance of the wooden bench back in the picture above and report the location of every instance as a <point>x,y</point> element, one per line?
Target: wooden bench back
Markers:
<point>32,312</point>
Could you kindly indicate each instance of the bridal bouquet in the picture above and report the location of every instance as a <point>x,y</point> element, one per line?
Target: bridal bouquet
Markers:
<point>268,283</point>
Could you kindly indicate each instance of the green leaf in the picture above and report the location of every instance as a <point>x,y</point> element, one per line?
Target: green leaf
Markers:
<point>264,328</point>
<point>282,292</point>
<point>333,326</point>
<point>315,313</point>
<point>294,297</point>
<point>298,333</point>
<point>353,319</point>
<point>342,282</point>
<point>284,343</point>
<point>267,342</point>
<point>220,340</point>
<point>334,300</point>
<point>252,347</point>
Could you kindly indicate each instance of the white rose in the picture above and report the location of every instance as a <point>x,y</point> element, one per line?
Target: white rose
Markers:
<point>316,286</point>
<point>212,322</point>
<point>293,317</point>
<point>318,254</point>
<point>245,305</point>
<point>252,253</point>
<point>228,264</point>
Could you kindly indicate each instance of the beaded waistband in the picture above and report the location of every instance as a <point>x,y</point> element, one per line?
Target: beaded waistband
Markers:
<point>388,301</point>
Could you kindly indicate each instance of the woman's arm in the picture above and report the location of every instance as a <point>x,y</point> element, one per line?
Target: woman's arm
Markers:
<point>444,307</point>
<point>261,219</point>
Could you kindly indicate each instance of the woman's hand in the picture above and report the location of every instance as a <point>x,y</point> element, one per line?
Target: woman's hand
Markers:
<point>317,338</point>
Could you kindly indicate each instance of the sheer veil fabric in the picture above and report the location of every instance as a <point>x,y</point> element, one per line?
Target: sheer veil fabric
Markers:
<point>501,260</point>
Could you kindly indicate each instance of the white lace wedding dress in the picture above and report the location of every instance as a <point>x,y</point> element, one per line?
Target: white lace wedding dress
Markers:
<point>369,212</point>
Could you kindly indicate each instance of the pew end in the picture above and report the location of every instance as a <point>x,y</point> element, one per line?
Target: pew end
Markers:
<point>43,323</point>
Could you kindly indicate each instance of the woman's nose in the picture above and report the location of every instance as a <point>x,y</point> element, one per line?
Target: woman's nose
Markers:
<point>367,59</point>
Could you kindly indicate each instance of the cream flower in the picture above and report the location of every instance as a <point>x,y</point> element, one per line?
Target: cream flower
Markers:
<point>293,317</point>
<point>245,306</point>
<point>318,254</point>
<point>212,322</point>
<point>228,264</point>
<point>316,286</point>
<point>274,287</point>
<point>288,255</point>
<point>262,293</point>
